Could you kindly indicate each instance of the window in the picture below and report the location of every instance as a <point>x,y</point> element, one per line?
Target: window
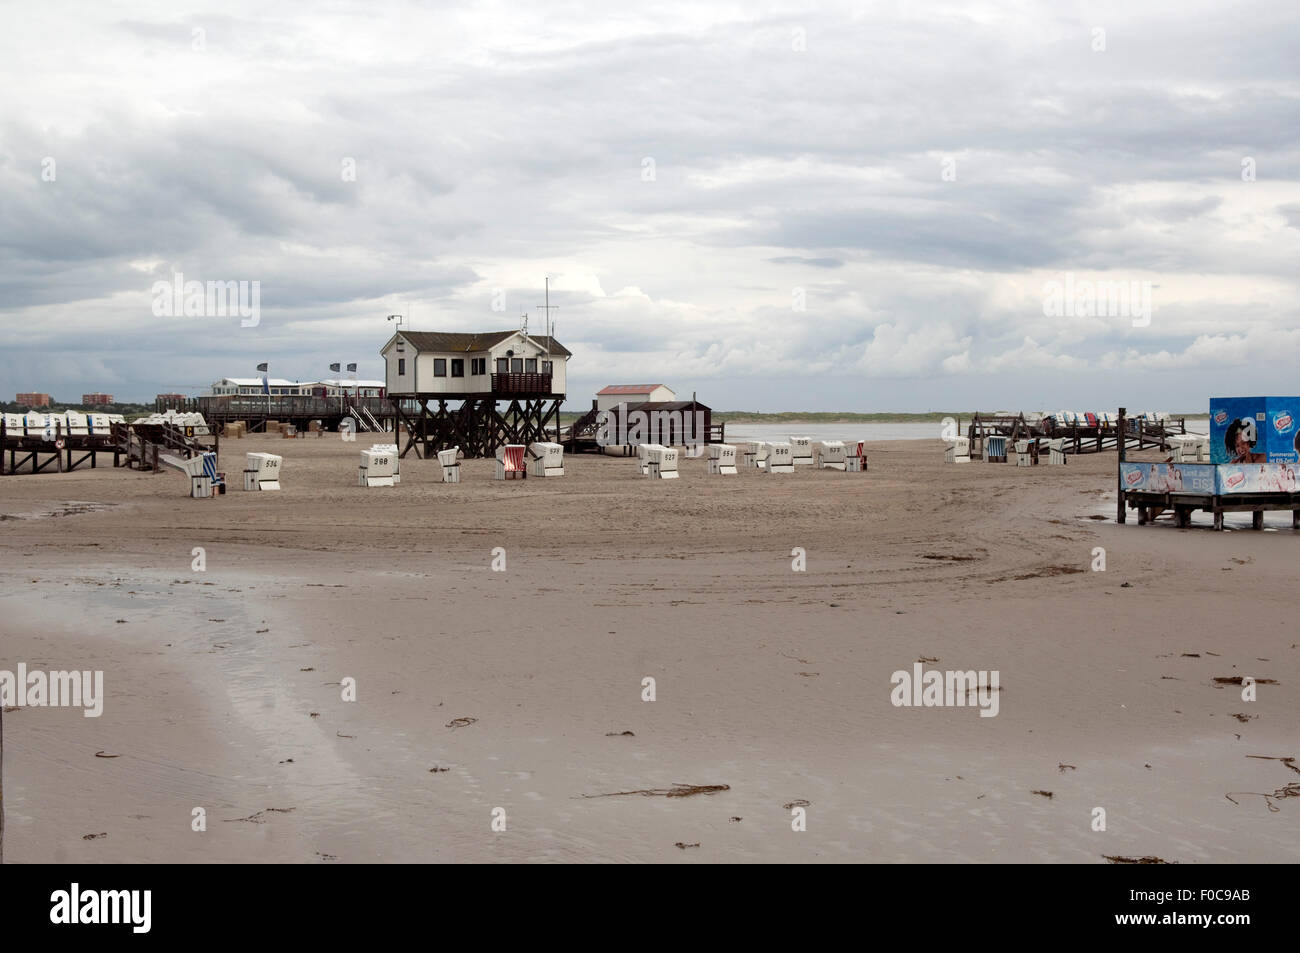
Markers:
<point>547,367</point>
<point>439,367</point>
<point>503,365</point>
<point>530,365</point>
<point>516,365</point>
<point>478,365</point>
<point>457,367</point>
<point>401,366</point>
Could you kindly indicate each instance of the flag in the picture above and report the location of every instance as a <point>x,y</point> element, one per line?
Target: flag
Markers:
<point>335,367</point>
<point>262,367</point>
<point>352,368</point>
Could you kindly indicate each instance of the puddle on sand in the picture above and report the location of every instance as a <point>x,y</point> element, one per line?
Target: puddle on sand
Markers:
<point>64,508</point>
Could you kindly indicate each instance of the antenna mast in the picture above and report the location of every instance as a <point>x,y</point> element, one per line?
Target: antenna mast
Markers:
<point>548,323</point>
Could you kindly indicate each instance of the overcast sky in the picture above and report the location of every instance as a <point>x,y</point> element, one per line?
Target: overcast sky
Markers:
<point>915,174</point>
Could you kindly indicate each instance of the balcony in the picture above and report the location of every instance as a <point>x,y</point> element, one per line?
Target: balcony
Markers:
<point>521,385</point>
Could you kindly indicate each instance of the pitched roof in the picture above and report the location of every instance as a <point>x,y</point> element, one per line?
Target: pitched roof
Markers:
<point>463,342</point>
<point>630,389</point>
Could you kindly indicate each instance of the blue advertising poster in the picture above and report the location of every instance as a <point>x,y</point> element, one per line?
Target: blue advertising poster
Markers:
<point>1169,477</point>
<point>1254,429</point>
<point>1256,478</point>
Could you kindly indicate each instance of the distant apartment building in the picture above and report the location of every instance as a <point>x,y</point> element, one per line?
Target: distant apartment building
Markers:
<point>33,400</point>
<point>94,400</point>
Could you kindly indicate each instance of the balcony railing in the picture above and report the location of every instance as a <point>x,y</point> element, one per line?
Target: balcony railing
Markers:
<point>522,384</point>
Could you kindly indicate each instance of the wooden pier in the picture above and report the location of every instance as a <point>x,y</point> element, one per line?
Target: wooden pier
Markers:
<point>366,413</point>
<point>1137,433</point>
<point>62,454</point>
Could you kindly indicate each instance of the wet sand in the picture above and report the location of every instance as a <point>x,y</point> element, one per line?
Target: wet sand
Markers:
<point>223,686</point>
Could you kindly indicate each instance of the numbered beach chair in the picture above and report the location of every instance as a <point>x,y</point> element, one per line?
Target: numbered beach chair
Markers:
<point>546,459</point>
<point>801,451</point>
<point>722,459</point>
<point>830,455</point>
<point>262,471</point>
<point>663,464</point>
<point>957,451</point>
<point>377,468</point>
<point>780,458</point>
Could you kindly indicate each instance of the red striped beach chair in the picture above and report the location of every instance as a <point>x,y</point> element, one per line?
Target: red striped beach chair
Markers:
<point>510,462</point>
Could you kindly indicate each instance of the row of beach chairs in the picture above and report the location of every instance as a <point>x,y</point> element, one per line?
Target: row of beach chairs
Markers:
<point>660,462</point>
<point>69,423</point>
<point>1073,418</point>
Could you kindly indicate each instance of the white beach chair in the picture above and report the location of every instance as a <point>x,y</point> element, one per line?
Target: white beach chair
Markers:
<point>643,452</point>
<point>449,465</point>
<point>1023,457</point>
<point>391,450</point>
<point>1056,452</point>
<point>202,471</point>
<point>262,471</point>
<point>546,459</point>
<point>958,450</point>
<point>753,454</point>
<point>663,464</point>
<point>801,451</point>
<point>722,459</point>
<point>830,455</point>
<point>377,468</point>
<point>780,458</point>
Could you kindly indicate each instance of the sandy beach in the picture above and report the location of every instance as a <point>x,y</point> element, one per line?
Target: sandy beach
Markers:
<point>522,690</point>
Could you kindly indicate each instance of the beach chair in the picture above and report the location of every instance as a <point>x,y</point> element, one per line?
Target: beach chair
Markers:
<point>830,455</point>
<point>995,449</point>
<point>78,424</point>
<point>663,464</point>
<point>1091,419</point>
<point>643,451</point>
<point>722,459</point>
<point>780,458</point>
<point>753,454</point>
<point>546,459</point>
<point>391,450</point>
<point>449,466</point>
<point>801,451</point>
<point>510,462</point>
<point>1056,452</point>
<point>376,468</point>
<point>855,456</point>
<point>262,471</point>
<point>1023,457</point>
<point>202,471</point>
<point>958,450</point>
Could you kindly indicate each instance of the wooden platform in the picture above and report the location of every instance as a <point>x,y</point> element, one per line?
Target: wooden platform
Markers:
<point>1182,505</point>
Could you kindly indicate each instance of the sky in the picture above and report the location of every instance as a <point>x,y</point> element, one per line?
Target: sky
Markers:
<point>776,206</point>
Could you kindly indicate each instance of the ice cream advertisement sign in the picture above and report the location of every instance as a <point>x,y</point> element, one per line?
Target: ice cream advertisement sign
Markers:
<point>1169,477</point>
<point>1254,430</point>
<point>1257,478</point>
